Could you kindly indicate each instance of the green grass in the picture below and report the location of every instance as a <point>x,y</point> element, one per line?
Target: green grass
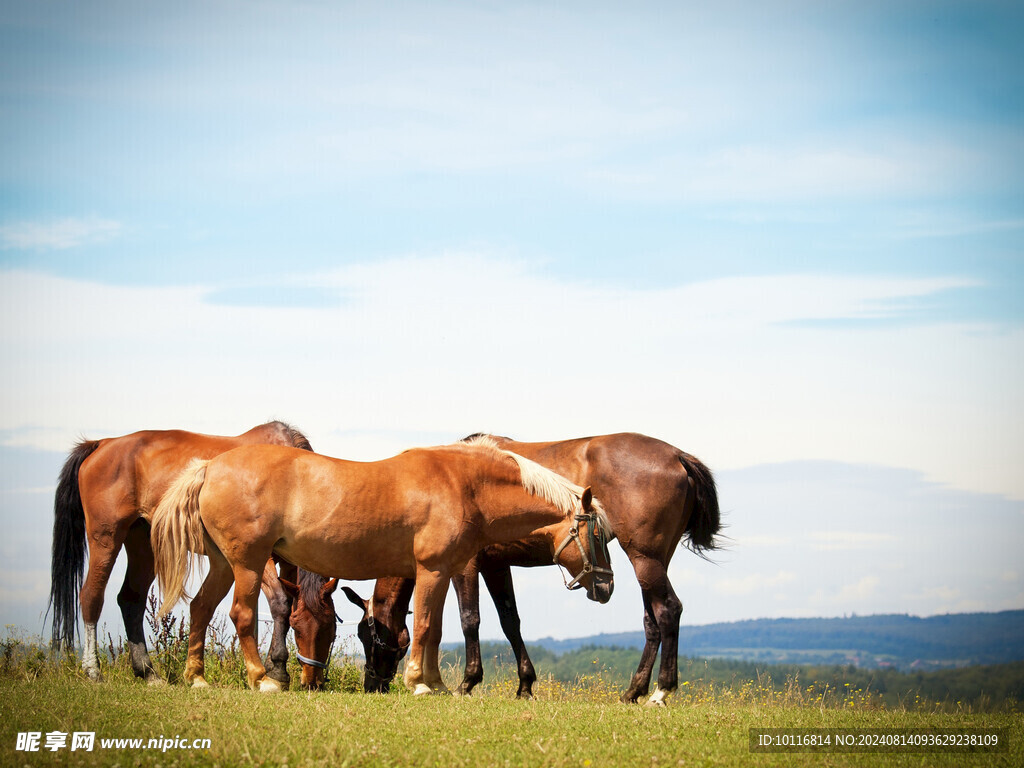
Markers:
<point>571,724</point>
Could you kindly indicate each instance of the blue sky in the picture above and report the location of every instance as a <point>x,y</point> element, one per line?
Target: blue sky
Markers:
<point>769,234</point>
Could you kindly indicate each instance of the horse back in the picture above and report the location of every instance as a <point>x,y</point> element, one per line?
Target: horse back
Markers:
<point>132,472</point>
<point>641,481</point>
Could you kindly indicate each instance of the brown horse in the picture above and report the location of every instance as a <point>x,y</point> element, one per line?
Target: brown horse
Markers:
<point>654,495</point>
<point>422,514</point>
<point>106,492</point>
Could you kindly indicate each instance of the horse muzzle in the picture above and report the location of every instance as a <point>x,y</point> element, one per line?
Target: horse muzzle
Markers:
<point>601,589</point>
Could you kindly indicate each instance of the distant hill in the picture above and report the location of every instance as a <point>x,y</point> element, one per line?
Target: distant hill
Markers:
<point>897,641</point>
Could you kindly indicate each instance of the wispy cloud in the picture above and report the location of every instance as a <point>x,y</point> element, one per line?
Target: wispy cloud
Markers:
<point>753,583</point>
<point>57,234</point>
<point>863,589</point>
<point>468,342</point>
<point>836,540</point>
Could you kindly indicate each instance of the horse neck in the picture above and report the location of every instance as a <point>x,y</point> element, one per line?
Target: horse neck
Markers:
<point>393,595</point>
<point>511,513</point>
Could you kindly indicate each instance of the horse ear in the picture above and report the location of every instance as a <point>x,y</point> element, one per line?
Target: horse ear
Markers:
<point>290,588</point>
<point>328,589</point>
<point>354,598</point>
<point>587,499</point>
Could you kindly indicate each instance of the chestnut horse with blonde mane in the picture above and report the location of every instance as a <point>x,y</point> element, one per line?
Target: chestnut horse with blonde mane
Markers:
<point>106,492</point>
<point>655,496</point>
<point>422,514</point>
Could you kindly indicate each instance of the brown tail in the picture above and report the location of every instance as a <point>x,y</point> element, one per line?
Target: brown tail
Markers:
<point>176,532</point>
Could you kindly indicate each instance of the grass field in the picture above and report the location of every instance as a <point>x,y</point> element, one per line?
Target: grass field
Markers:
<point>570,724</point>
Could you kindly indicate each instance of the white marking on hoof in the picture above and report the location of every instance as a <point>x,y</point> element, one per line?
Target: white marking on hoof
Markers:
<point>657,698</point>
<point>422,689</point>
<point>90,662</point>
<point>267,685</point>
<point>156,681</point>
<point>200,682</point>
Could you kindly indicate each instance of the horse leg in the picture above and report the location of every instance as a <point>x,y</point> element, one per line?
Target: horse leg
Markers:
<point>432,651</point>
<point>132,599</point>
<point>661,627</point>
<point>104,544</point>
<point>217,583</point>
<point>499,583</point>
<point>641,681</point>
<point>281,609</point>
<point>467,590</point>
<point>422,674</point>
<point>668,610</point>
<point>244,615</point>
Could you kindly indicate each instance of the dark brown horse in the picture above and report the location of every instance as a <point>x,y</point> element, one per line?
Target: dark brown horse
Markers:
<point>422,514</point>
<point>106,492</point>
<point>654,496</point>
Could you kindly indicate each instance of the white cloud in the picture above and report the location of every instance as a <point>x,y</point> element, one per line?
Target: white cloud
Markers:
<point>753,583</point>
<point>768,542</point>
<point>860,591</point>
<point>836,540</point>
<point>451,344</point>
<point>57,234</point>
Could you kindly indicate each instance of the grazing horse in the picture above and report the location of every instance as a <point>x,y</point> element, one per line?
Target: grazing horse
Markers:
<point>422,514</point>
<point>654,495</point>
<point>106,492</point>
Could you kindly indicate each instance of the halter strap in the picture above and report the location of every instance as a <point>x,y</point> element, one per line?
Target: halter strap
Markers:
<point>595,538</point>
<point>313,662</point>
<point>372,624</point>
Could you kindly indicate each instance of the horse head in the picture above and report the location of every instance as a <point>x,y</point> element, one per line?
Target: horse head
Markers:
<point>315,624</point>
<point>383,632</point>
<point>583,551</point>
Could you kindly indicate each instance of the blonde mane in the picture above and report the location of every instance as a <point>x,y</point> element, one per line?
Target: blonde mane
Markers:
<point>541,481</point>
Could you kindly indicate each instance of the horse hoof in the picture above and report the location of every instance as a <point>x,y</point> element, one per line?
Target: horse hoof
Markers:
<point>200,683</point>
<point>155,681</point>
<point>93,673</point>
<point>422,689</point>
<point>284,682</point>
<point>657,699</point>
<point>269,686</point>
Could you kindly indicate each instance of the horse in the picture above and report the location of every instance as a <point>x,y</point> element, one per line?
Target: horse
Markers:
<point>422,514</point>
<point>105,494</point>
<point>654,495</point>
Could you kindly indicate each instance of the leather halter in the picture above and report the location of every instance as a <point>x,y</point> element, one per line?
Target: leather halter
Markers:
<point>314,663</point>
<point>597,538</point>
<point>319,664</point>
<point>372,624</point>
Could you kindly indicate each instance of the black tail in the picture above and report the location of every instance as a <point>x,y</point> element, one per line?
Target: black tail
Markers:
<point>705,522</point>
<point>67,560</point>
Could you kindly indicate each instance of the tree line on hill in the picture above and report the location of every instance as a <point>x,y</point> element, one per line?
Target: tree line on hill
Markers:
<point>908,643</point>
<point>982,687</point>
